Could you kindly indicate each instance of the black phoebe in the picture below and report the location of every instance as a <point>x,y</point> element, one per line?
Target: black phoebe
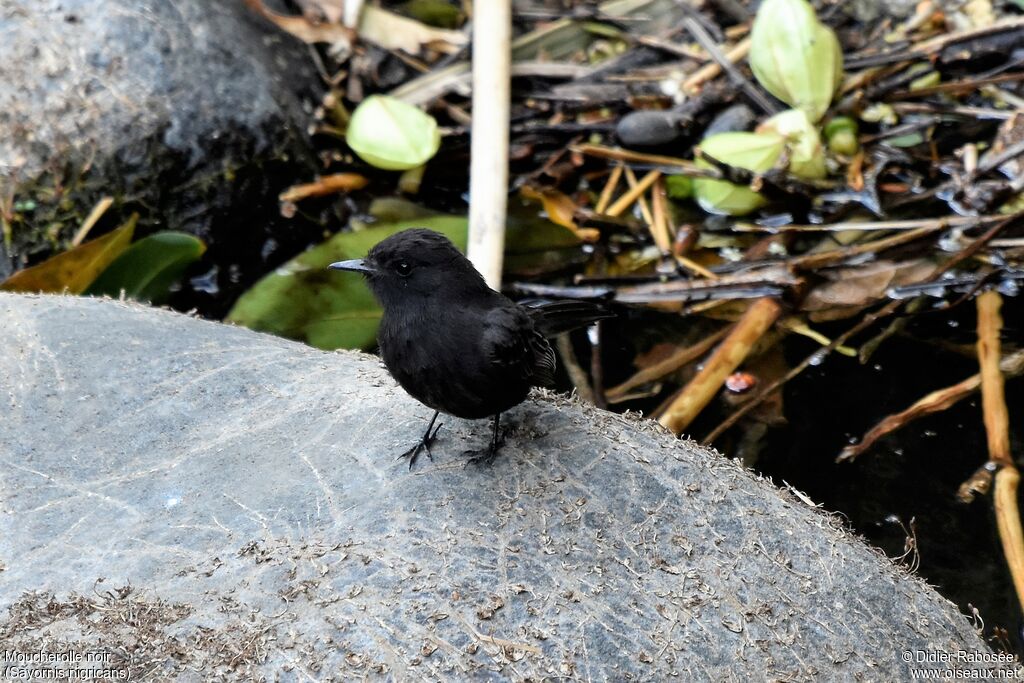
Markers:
<point>451,341</point>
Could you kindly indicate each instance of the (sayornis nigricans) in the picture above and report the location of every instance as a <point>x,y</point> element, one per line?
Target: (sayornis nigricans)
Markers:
<point>451,341</point>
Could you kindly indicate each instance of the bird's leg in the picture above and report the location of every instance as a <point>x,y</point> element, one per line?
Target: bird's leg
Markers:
<point>486,456</point>
<point>425,442</point>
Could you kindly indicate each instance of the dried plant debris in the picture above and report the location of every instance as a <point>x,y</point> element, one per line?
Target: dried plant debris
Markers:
<point>129,635</point>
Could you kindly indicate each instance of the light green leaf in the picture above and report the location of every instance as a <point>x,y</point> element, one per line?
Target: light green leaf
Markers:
<point>148,268</point>
<point>755,152</point>
<point>806,154</point>
<point>390,134</point>
<point>796,57</point>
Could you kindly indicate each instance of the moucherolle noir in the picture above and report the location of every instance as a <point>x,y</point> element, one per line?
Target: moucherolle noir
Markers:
<point>452,342</point>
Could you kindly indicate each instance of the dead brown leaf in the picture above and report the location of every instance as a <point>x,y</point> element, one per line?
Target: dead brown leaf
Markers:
<point>859,286</point>
<point>388,30</point>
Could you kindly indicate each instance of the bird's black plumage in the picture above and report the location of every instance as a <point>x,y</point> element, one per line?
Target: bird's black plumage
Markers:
<point>452,342</point>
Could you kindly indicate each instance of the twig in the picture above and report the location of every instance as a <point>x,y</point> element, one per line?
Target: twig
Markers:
<point>677,164</point>
<point>597,365</point>
<point>701,35</point>
<point>609,189</point>
<point>1008,521</point>
<point>824,258</point>
<point>1008,154</point>
<point>488,181</point>
<point>934,402</point>
<point>91,220</point>
<point>960,86</point>
<point>997,428</point>
<point>645,210</point>
<point>726,358</point>
<point>812,359</point>
<point>662,233</point>
<point>914,224</point>
<point>674,362</point>
<point>629,198</point>
<point>928,47</point>
<point>325,185</point>
<point>659,226</point>
<point>993,400</point>
<point>710,71</point>
<point>866,322</point>
<point>577,375</point>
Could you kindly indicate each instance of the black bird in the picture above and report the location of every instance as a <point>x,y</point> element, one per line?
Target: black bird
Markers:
<point>451,341</point>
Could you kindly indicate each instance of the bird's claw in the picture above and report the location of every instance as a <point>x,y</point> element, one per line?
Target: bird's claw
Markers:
<point>423,446</point>
<point>485,456</point>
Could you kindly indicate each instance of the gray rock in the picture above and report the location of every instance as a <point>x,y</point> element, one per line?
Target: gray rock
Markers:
<point>186,108</point>
<point>203,500</point>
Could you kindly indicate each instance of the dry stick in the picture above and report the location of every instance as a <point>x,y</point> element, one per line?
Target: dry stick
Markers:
<point>609,189</point>
<point>324,185</point>
<point>1008,521</point>
<point>705,40</point>
<point>91,220</point>
<point>577,375</point>
<point>677,164</point>
<point>726,358</point>
<point>935,402</point>
<point>645,211</point>
<point>629,198</point>
<point>662,234</point>
<point>928,47</point>
<point>659,226</point>
<point>1008,154</point>
<point>719,171</point>
<point>711,71</point>
<point>966,85</point>
<point>914,224</point>
<point>824,258</point>
<point>997,421</point>
<point>866,322</point>
<point>674,362</point>
<point>997,428</point>
<point>488,174</point>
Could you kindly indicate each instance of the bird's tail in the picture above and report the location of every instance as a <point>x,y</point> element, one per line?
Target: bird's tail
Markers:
<point>552,318</point>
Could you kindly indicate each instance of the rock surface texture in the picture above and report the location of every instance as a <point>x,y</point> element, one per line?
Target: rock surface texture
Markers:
<point>187,109</point>
<point>202,500</point>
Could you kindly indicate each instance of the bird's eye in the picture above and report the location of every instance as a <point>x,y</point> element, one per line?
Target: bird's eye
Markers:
<point>403,268</point>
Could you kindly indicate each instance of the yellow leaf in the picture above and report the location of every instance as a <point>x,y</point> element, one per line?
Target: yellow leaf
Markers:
<point>560,209</point>
<point>74,270</point>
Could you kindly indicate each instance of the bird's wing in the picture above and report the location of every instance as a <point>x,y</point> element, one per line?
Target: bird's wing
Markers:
<point>557,317</point>
<point>513,343</point>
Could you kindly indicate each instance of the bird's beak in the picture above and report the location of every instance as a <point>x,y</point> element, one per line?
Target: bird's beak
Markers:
<point>355,265</point>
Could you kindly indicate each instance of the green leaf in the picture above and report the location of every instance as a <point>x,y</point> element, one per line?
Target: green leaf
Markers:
<point>796,57</point>
<point>755,152</point>
<point>148,268</point>
<point>678,187</point>
<point>806,154</point>
<point>325,308</point>
<point>439,13</point>
<point>390,134</point>
<point>74,270</point>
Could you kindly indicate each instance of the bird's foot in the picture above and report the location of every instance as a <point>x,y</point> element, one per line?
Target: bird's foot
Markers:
<point>485,456</point>
<point>423,446</point>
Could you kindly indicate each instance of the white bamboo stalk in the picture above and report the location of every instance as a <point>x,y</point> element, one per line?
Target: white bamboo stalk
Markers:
<point>488,171</point>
